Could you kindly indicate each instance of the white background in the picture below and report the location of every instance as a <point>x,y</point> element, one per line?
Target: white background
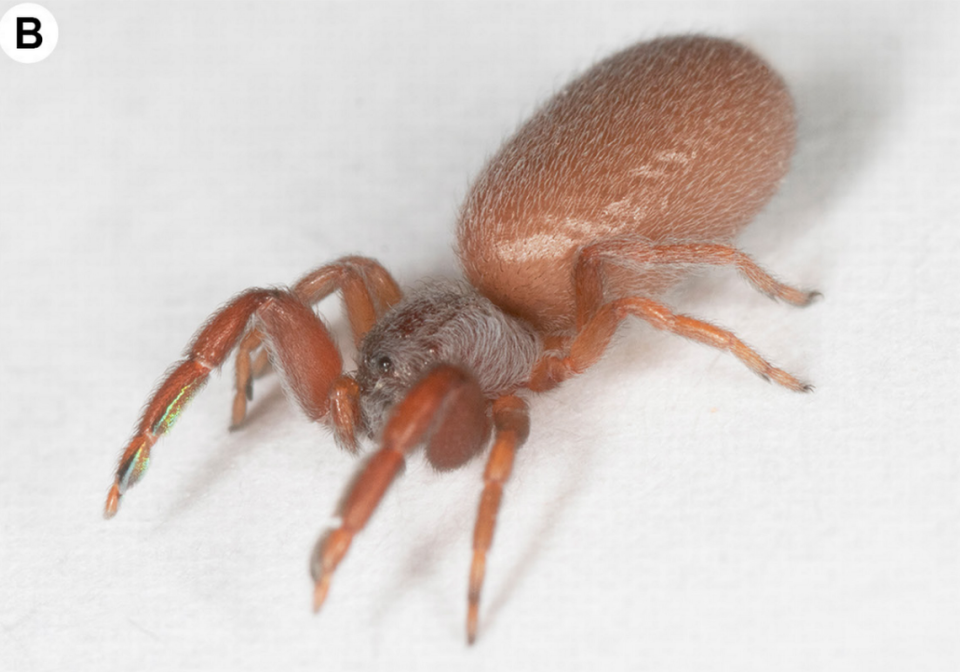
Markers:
<point>670,512</point>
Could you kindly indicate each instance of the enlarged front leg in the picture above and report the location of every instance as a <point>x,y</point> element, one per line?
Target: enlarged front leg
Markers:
<point>597,320</point>
<point>446,411</point>
<point>368,291</point>
<point>301,344</point>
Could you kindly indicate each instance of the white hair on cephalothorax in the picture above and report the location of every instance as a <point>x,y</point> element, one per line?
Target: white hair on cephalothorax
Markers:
<point>442,322</point>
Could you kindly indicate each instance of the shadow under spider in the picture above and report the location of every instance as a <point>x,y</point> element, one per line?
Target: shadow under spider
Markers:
<point>236,443</point>
<point>575,477</point>
<point>425,555</point>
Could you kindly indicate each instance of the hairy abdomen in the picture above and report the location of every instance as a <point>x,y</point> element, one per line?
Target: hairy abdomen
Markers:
<point>678,139</point>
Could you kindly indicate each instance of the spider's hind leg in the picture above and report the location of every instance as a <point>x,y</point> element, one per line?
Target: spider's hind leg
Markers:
<point>597,319</point>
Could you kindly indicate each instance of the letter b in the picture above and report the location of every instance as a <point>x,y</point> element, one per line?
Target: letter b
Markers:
<point>20,32</point>
<point>28,26</point>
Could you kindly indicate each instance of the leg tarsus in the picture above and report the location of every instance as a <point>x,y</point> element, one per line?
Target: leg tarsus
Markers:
<point>113,501</point>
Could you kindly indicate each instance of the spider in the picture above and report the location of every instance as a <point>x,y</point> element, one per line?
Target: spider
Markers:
<point>644,166</point>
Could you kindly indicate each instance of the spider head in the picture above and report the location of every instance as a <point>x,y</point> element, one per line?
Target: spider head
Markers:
<point>440,323</point>
<point>394,355</point>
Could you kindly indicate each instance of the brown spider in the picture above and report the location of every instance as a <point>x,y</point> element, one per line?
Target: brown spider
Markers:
<point>647,164</point>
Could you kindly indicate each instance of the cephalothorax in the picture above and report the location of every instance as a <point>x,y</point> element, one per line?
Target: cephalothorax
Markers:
<point>647,164</point>
<point>441,324</point>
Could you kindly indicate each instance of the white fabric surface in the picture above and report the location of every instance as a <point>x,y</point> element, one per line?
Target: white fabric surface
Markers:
<point>670,511</point>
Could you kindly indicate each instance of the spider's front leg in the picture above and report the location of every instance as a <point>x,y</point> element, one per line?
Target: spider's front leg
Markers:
<point>445,410</point>
<point>302,347</point>
<point>368,291</point>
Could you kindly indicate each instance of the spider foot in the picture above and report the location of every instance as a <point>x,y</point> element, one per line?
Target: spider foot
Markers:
<point>328,553</point>
<point>320,590</point>
<point>472,618</point>
<point>239,413</point>
<point>795,297</point>
<point>780,377</point>
<point>113,501</point>
<point>132,466</point>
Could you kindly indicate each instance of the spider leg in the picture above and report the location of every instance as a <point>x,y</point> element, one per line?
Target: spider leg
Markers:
<point>345,412</point>
<point>446,411</point>
<point>300,342</point>
<point>634,252</point>
<point>593,339</point>
<point>511,421</point>
<point>368,291</point>
<point>597,320</point>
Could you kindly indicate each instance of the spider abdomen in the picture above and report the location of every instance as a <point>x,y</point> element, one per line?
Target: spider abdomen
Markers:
<point>678,139</point>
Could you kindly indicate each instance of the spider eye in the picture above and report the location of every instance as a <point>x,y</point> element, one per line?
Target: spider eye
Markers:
<point>385,364</point>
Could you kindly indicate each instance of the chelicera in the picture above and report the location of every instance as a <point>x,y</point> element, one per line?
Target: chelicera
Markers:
<point>643,167</point>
